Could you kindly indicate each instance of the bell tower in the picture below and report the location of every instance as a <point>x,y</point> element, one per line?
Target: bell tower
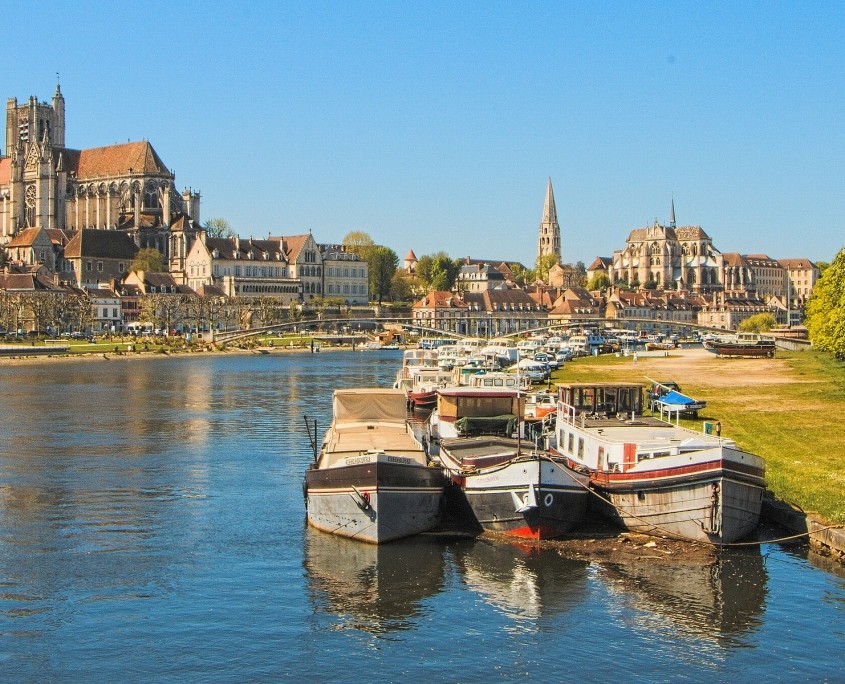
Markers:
<point>549,237</point>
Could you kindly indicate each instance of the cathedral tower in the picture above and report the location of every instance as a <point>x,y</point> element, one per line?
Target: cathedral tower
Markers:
<point>549,239</point>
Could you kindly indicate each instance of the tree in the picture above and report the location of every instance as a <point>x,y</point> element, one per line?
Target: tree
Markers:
<point>600,281</point>
<point>383,265</point>
<point>824,314</point>
<point>401,289</point>
<point>520,273</point>
<point>438,271</point>
<point>219,228</point>
<point>544,263</point>
<point>148,259</point>
<point>761,322</point>
<point>4,257</point>
<point>360,243</point>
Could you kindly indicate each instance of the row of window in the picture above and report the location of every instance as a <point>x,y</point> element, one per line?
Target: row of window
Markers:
<point>245,271</point>
<point>346,289</point>
<point>337,272</point>
<point>265,288</point>
<point>89,266</point>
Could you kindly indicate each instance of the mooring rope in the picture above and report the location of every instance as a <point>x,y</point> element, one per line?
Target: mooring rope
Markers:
<point>681,537</point>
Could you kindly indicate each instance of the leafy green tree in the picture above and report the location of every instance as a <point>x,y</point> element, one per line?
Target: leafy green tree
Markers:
<point>544,263</point>
<point>360,243</point>
<point>520,274</point>
<point>761,322</point>
<point>148,259</point>
<point>600,281</point>
<point>824,314</point>
<point>219,228</point>
<point>438,271</point>
<point>401,289</point>
<point>383,265</point>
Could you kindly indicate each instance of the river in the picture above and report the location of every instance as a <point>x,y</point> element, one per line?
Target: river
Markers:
<point>152,528</point>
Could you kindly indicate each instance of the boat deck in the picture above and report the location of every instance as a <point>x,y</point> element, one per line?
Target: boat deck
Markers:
<point>367,437</point>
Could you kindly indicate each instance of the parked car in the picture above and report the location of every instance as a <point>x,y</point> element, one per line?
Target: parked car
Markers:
<point>547,359</point>
<point>564,355</point>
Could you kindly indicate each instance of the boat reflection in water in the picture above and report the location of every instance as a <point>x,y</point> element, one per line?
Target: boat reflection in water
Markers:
<point>716,602</point>
<point>522,582</point>
<point>374,588</point>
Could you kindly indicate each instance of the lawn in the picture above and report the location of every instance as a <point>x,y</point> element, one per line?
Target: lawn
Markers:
<point>788,410</point>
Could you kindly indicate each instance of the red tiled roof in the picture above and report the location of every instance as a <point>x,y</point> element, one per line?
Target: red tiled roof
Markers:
<point>25,238</point>
<point>116,160</point>
<point>5,170</point>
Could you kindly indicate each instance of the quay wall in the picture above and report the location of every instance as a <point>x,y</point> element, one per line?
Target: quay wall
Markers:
<point>824,538</point>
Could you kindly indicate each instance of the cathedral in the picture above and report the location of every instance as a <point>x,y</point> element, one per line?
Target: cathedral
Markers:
<point>126,187</point>
<point>668,257</point>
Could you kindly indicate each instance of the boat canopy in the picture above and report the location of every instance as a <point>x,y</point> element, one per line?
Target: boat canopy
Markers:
<point>674,397</point>
<point>369,404</point>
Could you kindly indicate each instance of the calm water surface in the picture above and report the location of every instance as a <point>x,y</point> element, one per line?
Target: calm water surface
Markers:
<point>152,528</point>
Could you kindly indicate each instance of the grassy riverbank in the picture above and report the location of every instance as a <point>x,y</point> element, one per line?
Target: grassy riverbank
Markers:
<point>786,409</point>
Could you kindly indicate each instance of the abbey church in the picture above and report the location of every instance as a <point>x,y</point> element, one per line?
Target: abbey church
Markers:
<point>126,187</point>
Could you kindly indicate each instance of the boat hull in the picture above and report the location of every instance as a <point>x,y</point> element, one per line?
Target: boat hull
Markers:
<point>530,497</point>
<point>716,506</point>
<point>756,351</point>
<point>423,400</point>
<point>374,502</point>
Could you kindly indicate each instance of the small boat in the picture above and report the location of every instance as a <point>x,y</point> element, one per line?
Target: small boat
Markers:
<point>413,362</point>
<point>422,394</point>
<point>666,397</point>
<point>751,345</point>
<point>502,482</point>
<point>655,477</point>
<point>371,479</point>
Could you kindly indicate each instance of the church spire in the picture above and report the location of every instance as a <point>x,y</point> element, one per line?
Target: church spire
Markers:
<point>549,209</point>
<point>672,214</point>
<point>549,238</point>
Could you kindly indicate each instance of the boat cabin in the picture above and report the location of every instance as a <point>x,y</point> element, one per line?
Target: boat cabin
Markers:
<point>463,411</point>
<point>602,399</point>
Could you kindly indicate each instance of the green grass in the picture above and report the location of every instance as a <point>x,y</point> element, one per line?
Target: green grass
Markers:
<point>794,422</point>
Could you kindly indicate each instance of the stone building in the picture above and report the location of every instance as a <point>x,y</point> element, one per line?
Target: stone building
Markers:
<point>801,277</point>
<point>44,184</point>
<point>668,257</point>
<point>93,257</point>
<point>346,276</point>
<point>242,268</point>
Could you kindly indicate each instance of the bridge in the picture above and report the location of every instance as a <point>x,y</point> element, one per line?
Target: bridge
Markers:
<point>359,328</point>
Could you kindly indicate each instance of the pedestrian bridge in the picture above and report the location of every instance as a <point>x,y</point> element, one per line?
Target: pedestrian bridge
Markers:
<point>359,328</point>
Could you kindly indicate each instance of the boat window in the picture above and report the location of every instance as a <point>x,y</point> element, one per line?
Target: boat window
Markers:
<point>571,443</point>
<point>623,404</point>
<point>580,447</point>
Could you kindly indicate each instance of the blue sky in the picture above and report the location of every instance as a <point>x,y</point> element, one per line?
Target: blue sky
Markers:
<point>435,125</point>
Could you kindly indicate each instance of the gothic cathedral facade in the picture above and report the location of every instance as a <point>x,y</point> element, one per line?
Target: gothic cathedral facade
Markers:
<point>123,187</point>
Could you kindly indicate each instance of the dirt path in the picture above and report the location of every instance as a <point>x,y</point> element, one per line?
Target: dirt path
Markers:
<point>696,367</point>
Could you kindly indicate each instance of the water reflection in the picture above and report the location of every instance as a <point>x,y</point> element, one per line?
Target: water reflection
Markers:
<point>372,588</point>
<point>716,601</point>
<point>522,582</point>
